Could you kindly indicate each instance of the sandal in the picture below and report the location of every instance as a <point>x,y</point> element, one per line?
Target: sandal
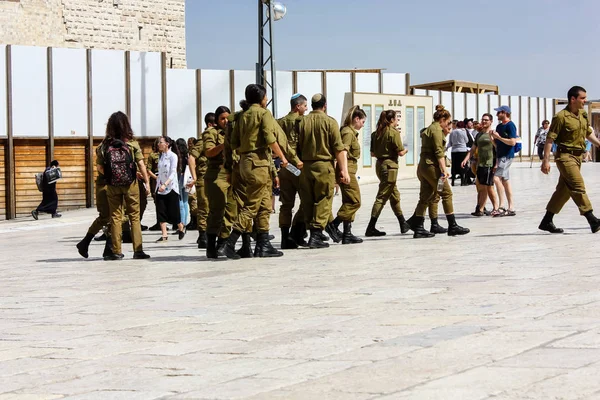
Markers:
<point>495,213</point>
<point>501,212</point>
<point>477,214</point>
<point>510,213</point>
<point>162,239</point>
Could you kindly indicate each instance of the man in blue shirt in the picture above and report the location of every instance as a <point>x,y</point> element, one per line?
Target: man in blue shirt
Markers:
<point>505,138</point>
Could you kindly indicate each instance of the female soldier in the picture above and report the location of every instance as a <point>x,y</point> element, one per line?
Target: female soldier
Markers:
<point>432,167</point>
<point>252,136</point>
<point>119,136</point>
<point>152,170</point>
<point>387,147</point>
<point>216,180</point>
<point>354,121</point>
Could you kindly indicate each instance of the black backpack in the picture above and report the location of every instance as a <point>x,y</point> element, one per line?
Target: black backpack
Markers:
<point>119,166</point>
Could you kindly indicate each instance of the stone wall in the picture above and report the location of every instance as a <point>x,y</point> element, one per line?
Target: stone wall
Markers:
<point>139,25</point>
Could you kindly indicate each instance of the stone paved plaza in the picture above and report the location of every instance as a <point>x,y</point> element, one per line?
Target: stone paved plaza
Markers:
<point>506,312</point>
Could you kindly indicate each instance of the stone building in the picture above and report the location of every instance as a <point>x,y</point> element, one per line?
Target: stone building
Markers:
<point>138,25</point>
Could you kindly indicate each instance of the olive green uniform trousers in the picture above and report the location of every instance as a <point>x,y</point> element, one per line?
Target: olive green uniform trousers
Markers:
<point>289,185</point>
<point>429,174</point>
<point>124,199</point>
<point>570,185</point>
<point>317,183</point>
<point>103,218</point>
<point>254,204</point>
<point>387,174</point>
<point>350,195</point>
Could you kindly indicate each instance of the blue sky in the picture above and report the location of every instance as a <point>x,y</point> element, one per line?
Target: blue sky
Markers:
<point>527,47</point>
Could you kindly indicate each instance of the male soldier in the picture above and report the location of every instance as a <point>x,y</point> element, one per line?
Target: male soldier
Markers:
<point>289,184</point>
<point>569,129</point>
<point>319,144</point>
<point>197,152</point>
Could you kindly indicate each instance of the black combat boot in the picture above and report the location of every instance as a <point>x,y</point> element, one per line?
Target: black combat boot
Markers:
<point>140,255</point>
<point>287,242</point>
<point>298,233</point>
<point>419,232</point>
<point>264,248</point>
<point>436,227</point>
<point>348,237</point>
<point>453,228</point>
<point>333,232</point>
<point>228,249</point>
<point>246,250</point>
<point>221,246</point>
<point>84,245</point>
<point>322,236</point>
<point>593,221</point>
<point>371,230</point>
<point>404,227</point>
<point>192,226</point>
<point>315,241</point>
<point>201,240</point>
<point>107,247</point>
<point>211,246</point>
<point>547,224</point>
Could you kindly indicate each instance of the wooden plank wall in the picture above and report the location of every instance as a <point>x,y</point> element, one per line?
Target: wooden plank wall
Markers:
<point>30,158</point>
<point>2,183</point>
<point>71,189</point>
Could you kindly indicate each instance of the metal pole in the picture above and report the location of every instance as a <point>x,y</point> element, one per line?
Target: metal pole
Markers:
<point>273,72</point>
<point>259,64</point>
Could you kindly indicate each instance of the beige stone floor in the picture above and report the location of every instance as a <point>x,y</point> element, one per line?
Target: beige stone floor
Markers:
<point>506,312</point>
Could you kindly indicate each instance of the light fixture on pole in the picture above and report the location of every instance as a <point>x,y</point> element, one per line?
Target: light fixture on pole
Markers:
<point>274,12</point>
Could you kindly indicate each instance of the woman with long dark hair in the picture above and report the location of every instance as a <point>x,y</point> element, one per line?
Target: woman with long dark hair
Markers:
<point>183,164</point>
<point>117,162</point>
<point>432,167</point>
<point>253,137</point>
<point>353,122</point>
<point>167,188</point>
<point>387,147</point>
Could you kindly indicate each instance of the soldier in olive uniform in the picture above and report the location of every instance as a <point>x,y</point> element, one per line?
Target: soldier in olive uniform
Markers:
<point>354,121</point>
<point>103,213</point>
<point>386,146</point>
<point>152,170</point>
<point>200,163</point>
<point>216,180</point>
<point>569,129</point>
<point>319,144</point>
<point>119,128</point>
<point>252,136</point>
<point>290,183</point>
<point>432,167</point>
<point>192,198</point>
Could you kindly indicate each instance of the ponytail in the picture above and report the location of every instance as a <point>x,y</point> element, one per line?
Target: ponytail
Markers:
<point>354,112</point>
<point>385,121</point>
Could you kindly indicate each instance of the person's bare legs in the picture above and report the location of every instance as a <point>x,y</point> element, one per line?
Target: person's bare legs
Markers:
<point>509,196</point>
<point>481,196</point>
<point>492,196</point>
<point>163,229</point>
<point>500,190</point>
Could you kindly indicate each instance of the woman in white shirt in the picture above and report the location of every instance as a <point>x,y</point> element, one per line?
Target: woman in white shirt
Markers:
<point>167,189</point>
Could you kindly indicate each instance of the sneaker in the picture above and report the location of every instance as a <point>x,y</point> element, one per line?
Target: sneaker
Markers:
<point>34,214</point>
<point>56,215</point>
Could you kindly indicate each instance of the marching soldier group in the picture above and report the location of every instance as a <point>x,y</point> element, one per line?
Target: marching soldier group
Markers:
<point>235,174</point>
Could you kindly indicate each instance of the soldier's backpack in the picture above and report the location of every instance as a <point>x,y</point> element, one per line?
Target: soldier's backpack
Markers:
<point>119,166</point>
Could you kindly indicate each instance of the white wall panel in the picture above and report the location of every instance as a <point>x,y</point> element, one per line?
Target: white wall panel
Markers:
<point>435,96</point>
<point>146,94</point>
<point>516,117</point>
<point>483,105</point>
<point>471,111</point>
<point>459,106</point>
<point>494,103</point>
<point>108,87</point>
<point>446,101</point>
<point>338,84</point>
<point>535,121</point>
<point>549,109</point>
<point>181,103</point>
<point>285,90</point>
<point>69,96</point>
<point>241,79</point>
<point>309,84</point>
<point>29,91</point>
<point>504,100</point>
<point>214,86</point>
<point>367,82</point>
<point>420,92</point>
<point>525,133</point>
<point>394,83</point>
<point>3,128</point>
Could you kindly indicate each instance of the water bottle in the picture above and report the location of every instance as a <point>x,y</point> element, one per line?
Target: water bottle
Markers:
<point>440,186</point>
<point>290,167</point>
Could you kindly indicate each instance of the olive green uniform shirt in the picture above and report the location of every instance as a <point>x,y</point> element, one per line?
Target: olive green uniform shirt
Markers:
<point>433,144</point>
<point>350,140</point>
<point>152,163</point>
<point>211,138</point>
<point>319,137</point>
<point>387,145</point>
<point>288,124</point>
<point>254,130</point>
<point>569,130</point>
<point>197,151</point>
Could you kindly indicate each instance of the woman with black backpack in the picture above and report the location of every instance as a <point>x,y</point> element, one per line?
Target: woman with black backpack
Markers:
<point>49,202</point>
<point>119,162</point>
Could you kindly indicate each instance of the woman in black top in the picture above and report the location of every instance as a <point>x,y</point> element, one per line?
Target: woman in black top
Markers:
<point>49,202</point>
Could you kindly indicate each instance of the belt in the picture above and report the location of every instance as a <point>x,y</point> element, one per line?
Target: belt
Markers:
<point>572,152</point>
<point>382,159</point>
